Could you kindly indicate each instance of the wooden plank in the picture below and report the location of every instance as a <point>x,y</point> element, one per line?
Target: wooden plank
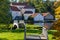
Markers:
<point>36,37</point>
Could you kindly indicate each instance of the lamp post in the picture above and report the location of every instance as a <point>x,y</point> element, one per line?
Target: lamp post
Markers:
<point>22,12</point>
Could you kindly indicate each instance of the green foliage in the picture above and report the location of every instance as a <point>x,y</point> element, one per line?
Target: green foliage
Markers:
<point>5,15</point>
<point>56,26</point>
<point>30,20</point>
<point>41,6</point>
<point>5,27</point>
<point>21,0</point>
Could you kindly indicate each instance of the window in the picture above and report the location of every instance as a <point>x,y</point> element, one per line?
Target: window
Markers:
<point>18,18</point>
<point>28,12</point>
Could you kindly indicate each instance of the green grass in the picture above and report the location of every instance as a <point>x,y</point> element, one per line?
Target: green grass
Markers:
<point>11,36</point>
<point>50,37</point>
<point>18,35</point>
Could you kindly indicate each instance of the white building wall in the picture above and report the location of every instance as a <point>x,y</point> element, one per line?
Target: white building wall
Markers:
<point>39,17</point>
<point>15,13</point>
<point>15,23</point>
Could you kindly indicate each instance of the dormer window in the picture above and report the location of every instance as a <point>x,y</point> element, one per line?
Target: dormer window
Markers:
<point>28,12</point>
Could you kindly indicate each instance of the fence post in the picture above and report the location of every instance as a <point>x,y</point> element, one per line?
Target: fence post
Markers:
<point>24,32</point>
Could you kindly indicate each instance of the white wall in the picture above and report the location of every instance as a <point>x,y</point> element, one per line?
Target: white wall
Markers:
<point>15,23</point>
<point>38,17</point>
<point>15,13</point>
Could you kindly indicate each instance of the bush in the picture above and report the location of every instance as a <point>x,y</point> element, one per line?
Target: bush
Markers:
<point>56,26</point>
<point>5,27</point>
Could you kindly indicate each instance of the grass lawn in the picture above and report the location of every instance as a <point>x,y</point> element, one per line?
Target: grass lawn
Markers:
<point>16,35</point>
<point>19,34</point>
<point>11,35</point>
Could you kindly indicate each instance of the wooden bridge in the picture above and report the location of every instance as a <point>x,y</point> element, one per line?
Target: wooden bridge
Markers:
<point>35,37</point>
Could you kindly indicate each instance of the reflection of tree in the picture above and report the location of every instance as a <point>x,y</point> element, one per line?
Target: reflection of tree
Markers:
<point>56,26</point>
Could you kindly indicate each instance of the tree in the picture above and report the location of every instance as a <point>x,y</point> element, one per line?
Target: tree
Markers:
<point>41,5</point>
<point>30,20</point>
<point>56,26</point>
<point>36,4</point>
<point>57,9</point>
<point>5,16</point>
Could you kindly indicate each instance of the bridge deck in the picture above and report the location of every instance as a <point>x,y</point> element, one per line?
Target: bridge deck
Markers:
<point>36,37</point>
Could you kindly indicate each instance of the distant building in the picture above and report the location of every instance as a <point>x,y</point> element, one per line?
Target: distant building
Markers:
<point>18,5</point>
<point>48,19</point>
<point>17,10</point>
<point>48,16</point>
<point>28,11</point>
<point>38,19</point>
<point>42,18</point>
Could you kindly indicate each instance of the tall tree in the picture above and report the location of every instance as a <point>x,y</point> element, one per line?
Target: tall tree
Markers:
<point>56,26</point>
<point>4,12</point>
<point>41,5</point>
<point>57,9</point>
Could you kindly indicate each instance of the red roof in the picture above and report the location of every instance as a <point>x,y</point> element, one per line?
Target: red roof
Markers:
<point>14,8</point>
<point>35,14</point>
<point>19,3</point>
<point>45,14</point>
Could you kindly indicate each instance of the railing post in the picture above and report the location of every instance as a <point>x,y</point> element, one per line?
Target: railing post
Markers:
<point>24,32</point>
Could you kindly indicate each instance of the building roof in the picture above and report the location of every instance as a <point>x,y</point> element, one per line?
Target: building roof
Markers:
<point>13,8</point>
<point>19,3</point>
<point>28,7</point>
<point>28,12</point>
<point>35,14</point>
<point>45,14</point>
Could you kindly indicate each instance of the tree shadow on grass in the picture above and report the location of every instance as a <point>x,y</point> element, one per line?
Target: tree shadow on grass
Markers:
<point>51,32</point>
<point>33,31</point>
<point>19,31</point>
<point>28,31</point>
<point>3,39</point>
<point>13,31</point>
